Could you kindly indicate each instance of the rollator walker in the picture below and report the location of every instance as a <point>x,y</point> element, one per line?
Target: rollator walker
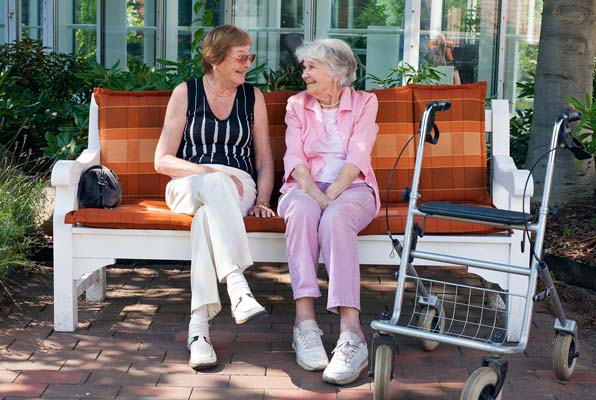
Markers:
<point>464,315</point>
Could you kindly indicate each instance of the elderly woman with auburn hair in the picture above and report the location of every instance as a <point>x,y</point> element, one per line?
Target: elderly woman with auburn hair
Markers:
<point>214,143</point>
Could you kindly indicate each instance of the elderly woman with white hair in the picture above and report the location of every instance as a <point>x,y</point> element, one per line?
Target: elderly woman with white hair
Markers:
<point>329,195</point>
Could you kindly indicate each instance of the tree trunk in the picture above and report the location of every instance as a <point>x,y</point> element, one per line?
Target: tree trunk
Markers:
<point>565,68</point>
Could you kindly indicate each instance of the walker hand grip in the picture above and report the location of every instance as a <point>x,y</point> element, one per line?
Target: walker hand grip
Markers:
<point>443,105</point>
<point>431,108</point>
<point>565,138</point>
<point>572,116</point>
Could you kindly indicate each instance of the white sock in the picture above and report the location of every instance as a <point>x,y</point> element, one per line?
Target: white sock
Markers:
<point>237,285</point>
<point>199,323</point>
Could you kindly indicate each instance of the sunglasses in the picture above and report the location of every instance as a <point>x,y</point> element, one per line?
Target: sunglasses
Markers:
<point>244,58</point>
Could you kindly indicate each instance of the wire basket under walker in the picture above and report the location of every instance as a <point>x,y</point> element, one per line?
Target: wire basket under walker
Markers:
<point>474,313</point>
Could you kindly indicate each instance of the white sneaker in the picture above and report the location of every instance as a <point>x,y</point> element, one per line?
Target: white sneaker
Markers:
<point>202,354</point>
<point>306,341</point>
<point>246,308</point>
<point>350,357</point>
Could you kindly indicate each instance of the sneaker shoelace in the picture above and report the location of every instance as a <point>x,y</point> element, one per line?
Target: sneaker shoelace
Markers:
<point>310,337</point>
<point>345,351</point>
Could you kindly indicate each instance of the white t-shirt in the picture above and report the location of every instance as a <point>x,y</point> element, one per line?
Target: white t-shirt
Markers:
<point>331,149</point>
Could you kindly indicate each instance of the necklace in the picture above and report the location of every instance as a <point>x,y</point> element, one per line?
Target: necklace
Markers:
<point>218,94</point>
<point>328,106</point>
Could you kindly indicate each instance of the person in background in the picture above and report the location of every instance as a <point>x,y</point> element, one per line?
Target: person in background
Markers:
<point>440,54</point>
<point>329,194</point>
<point>214,143</point>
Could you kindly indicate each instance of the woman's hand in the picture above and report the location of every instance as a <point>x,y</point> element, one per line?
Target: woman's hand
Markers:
<point>261,210</point>
<point>319,196</point>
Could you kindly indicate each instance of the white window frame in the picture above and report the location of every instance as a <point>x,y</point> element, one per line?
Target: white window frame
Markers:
<point>167,29</point>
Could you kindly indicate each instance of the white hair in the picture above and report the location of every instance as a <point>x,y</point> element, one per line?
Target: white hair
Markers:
<point>335,53</point>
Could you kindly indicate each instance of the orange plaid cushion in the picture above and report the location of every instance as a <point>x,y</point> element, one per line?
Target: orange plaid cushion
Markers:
<point>276,113</point>
<point>455,169</point>
<point>129,126</point>
<point>140,213</point>
<point>396,123</point>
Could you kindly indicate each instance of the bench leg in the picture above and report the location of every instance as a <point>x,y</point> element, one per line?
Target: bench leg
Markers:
<point>97,291</point>
<point>65,295</point>
<point>65,286</point>
<point>516,307</point>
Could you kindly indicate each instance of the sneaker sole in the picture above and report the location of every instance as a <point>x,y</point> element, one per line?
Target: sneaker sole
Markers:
<point>203,365</point>
<point>319,367</point>
<point>258,314</point>
<point>346,380</point>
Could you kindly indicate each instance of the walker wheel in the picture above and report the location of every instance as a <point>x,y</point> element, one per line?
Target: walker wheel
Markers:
<point>564,355</point>
<point>481,385</point>
<point>383,364</point>
<point>429,321</point>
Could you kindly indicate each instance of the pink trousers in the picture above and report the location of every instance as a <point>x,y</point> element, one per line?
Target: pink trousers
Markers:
<point>333,232</point>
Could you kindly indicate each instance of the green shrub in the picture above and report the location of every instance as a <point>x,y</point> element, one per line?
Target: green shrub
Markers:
<point>585,130</point>
<point>520,125</point>
<point>21,199</point>
<point>283,78</point>
<point>407,74</point>
<point>39,92</point>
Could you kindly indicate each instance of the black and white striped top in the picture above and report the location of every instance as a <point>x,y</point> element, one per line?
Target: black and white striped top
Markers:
<point>209,140</point>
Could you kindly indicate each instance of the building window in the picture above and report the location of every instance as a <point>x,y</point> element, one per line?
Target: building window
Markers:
<point>31,19</point>
<point>3,19</point>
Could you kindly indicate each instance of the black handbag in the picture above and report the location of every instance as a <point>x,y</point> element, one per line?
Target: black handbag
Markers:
<point>99,187</point>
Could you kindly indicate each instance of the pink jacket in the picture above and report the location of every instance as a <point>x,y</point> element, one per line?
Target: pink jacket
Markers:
<point>356,123</point>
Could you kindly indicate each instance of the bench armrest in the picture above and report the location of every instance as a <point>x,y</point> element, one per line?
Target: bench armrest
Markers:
<point>67,172</point>
<point>509,182</point>
<point>65,178</point>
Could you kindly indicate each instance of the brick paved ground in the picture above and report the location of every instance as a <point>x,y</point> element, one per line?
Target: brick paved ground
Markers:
<point>131,346</point>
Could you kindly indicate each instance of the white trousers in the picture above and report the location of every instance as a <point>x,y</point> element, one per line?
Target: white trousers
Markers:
<point>218,236</point>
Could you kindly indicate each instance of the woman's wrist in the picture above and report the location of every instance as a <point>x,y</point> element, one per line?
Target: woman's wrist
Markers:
<point>263,203</point>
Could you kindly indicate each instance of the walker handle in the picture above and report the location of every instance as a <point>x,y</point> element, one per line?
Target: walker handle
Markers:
<point>572,116</point>
<point>443,105</point>
<point>567,140</point>
<point>431,108</point>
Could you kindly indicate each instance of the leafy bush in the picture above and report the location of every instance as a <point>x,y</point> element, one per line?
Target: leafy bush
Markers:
<point>406,73</point>
<point>283,78</point>
<point>21,199</point>
<point>520,125</point>
<point>585,130</point>
<point>39,92</point>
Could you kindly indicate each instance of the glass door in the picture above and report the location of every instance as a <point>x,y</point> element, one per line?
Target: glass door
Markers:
<point>459,38</point>
<point>373,28</point>
<point>277,28</point>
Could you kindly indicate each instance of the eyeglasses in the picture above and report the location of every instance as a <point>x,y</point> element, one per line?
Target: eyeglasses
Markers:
<point>244,58</point>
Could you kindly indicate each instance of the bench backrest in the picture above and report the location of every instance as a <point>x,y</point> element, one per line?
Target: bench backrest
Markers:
<point>129,125</point>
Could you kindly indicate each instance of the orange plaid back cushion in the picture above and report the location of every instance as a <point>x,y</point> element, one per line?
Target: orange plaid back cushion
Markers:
<point>455,169</point>
<point>276,113</point>
<point>129,127</point>
<point>396,126</point>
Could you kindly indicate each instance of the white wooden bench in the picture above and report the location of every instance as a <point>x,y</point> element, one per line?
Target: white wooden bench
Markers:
<point>81,252</point>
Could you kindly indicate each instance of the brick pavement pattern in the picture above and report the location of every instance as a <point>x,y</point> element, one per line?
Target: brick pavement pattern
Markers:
<point>131,346</point>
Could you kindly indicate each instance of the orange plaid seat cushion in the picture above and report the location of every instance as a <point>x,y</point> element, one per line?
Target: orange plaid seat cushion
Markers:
<point>130,124</point>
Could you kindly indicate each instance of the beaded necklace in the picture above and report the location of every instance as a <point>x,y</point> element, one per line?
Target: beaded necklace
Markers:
<point>328,106</point>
